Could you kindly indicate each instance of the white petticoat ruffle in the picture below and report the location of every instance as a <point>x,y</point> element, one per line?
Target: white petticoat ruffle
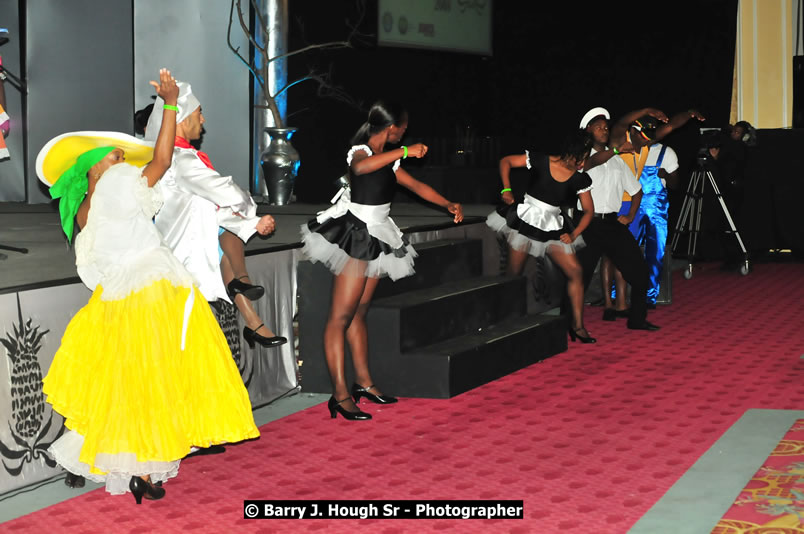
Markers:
<point>317,249</point>
<point>119,281</point>
<point>119,468</point>
<point>526,244</point>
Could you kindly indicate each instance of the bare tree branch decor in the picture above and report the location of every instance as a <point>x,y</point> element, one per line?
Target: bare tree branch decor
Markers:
<point>323,79</point>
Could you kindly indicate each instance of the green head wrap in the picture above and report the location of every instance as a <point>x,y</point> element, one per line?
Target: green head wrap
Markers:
<point>72,186</point>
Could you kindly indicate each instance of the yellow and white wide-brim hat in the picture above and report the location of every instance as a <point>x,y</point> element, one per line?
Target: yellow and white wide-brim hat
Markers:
<point>61,153</point>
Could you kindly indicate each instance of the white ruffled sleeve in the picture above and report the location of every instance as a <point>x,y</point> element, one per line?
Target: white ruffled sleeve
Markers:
<point>357,148</point>
<point>149,199</point>
<point>396,164</point>
<point>527,159</point>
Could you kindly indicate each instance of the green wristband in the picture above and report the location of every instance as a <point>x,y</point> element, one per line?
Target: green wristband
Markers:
<point>616,152</point>
<point>171,108</point>
<point>504,190</point>
<point>404,152</point>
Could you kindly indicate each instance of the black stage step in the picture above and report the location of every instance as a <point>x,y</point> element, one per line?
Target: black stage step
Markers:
<point>440,261</point>
<point>456,365</point>
<point>422,317</point>
<point>436,334</point>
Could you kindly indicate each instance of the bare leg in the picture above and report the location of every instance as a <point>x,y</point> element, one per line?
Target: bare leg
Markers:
<point>347,293</point>
<point>244,305</point>
<point>572,270</point>
<point>516,261</point>
<point>234,249</point>
<point>357,337</point>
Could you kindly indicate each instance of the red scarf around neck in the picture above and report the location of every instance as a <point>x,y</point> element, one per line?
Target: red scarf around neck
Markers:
<point>181,142</point>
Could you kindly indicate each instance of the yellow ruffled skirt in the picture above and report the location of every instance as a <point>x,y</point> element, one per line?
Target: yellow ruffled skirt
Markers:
<point>123,383</point>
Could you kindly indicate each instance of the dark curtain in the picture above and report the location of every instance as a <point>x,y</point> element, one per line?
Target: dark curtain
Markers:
<point>552,62</point>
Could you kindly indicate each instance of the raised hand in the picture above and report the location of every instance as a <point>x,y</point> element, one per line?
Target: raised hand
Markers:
<point>695,114</point>
<point>658,114</point>
<point>166,88</point>
<point>266,225</point>
<point>417,151</point>
<point>457,210</point>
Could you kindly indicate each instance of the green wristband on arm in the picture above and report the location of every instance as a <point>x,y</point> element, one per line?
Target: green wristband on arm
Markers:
<point>171,108</point>
<point>507,189</point>
<point>404,152</point>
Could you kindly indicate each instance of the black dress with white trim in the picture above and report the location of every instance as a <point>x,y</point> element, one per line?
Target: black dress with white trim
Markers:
<point>536,223</point>
<point>356,235</point>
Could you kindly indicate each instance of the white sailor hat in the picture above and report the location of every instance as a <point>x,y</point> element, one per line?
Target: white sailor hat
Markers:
<point>592,114</point>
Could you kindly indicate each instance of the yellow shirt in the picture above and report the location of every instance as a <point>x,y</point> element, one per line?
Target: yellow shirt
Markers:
<point>635,164</point>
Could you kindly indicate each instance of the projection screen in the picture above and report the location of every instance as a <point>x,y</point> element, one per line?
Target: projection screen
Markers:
<point>451,25</point>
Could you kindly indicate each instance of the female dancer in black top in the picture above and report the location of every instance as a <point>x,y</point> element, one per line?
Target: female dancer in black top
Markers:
<point>535,226</point>
<point>357,240</point>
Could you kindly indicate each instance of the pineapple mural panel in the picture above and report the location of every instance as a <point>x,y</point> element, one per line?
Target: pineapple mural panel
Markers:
<point>28,426</point>
<point>226,314</point>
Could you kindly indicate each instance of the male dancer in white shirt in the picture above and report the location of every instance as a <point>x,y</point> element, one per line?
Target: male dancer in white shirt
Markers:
<point>608,232</point>
<point>199,203</point>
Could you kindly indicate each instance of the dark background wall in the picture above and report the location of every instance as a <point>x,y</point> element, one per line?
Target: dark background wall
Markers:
<point>552,62</point>
<point>80,74</point>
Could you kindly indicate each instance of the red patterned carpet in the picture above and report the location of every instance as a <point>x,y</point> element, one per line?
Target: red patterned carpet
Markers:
<point>589,439</point>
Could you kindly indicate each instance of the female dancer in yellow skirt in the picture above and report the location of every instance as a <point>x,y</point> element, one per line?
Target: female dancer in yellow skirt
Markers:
<point>144,373</point>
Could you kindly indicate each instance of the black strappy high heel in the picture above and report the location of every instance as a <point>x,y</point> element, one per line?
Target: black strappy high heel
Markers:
<point>573,334</point>
<point>251,336</point>
<point>140,488</point>
<point>250,291</point>
<point>335,408</point>
<point>358,391</point>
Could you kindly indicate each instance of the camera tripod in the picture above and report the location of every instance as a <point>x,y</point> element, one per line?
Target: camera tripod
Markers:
<point>689,221</point>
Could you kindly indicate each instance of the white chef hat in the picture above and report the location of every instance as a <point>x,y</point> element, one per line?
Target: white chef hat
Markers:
<point>187,103</point>
<point>591,114</point>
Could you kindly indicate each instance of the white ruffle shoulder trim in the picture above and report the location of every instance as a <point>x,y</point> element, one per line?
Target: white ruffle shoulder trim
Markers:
<point>367,150</point>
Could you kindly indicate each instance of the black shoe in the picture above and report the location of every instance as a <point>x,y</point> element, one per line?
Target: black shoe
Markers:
<point>573,333</point>
<point>644,325</point>
<point>213,449</point>
<point>139,488</point>
<point>335,408</point>
<point>251,336</point>
<point>74,481</point>
<point>609,314</point>
<point>251,292</point>
<point>358,392</point>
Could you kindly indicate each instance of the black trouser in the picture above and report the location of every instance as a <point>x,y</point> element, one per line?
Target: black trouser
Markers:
<point>610,238</point>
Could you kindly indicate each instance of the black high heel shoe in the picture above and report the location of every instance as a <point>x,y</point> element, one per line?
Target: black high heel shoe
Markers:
<point>573,333</point>
<point>358,392</point>
<point>139,488</point>
<point>250,291</point>
<point>251,336</point>
<point>74,481</point>
<point>335,408</point>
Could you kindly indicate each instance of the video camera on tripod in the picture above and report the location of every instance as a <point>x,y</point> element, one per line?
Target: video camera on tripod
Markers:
<point>689,222</point>
<point>711,138</point>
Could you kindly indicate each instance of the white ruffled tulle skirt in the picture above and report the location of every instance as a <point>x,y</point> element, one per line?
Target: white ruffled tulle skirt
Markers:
<point>345,245</point>
<point>532,227</point>
<point>119,468</point>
